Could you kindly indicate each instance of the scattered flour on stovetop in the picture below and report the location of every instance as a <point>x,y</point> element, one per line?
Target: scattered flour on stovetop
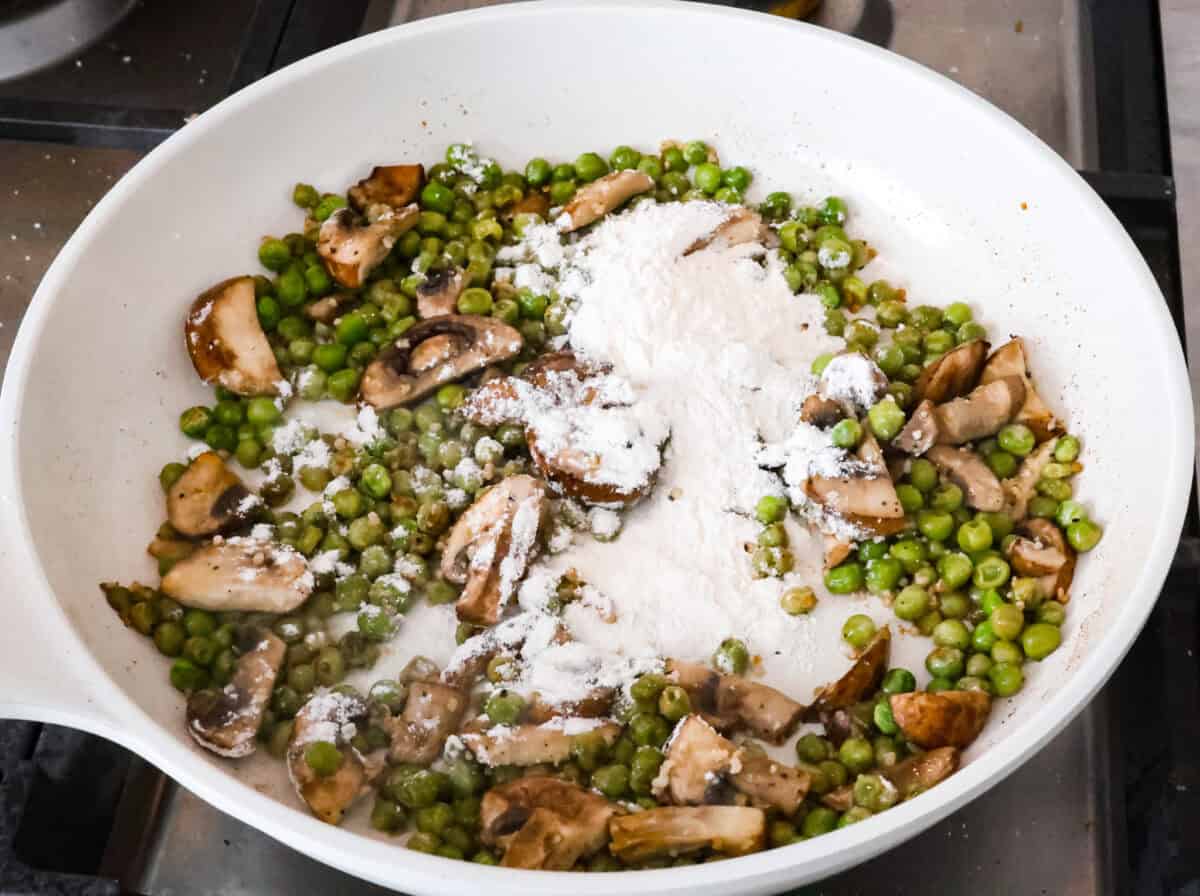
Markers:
<point>717,346</point>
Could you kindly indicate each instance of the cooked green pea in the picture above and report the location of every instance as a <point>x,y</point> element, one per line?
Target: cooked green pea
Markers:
<point>845,579</point>
<point>771,509</point>
<point>590,166</point>
<point>910,498</point>
<point>290,287</point>
<point>951,633</point>
<point>798,601</point>
<point>186,676</point>
<point>1051,612</point>
<point>923,475</point>
<point>673,703</point>
<point>1058,489</point>
<point>936,525</point>
<point>983,638</point>
<point>1007,652</point>
<point>945,662</point>
<point>1042,507</point>
<point>330,357</point>
<point>504,707</point>
<point>1007,621</point>
<point>975,536</point>
<point>818,821</point>
<point>1040,639</point>
<point>883,719</point>
<point>886,419</point>
<point>328,204</point>
<point>274,254</point>
<point>883,575</point>
<point>707,177</point>
<point>732,657</point>
<point>911,603</point>
<point>611,780</point>
<point>1084,535</point>
<point>991,572</point>
<point>305,195</point>
<point>1002,463</point>
<point>937,684</point>
<point>1006,678</point>
<point>856,754</point>
<point>955,569</point>
<point>899,681</point>
<point>847,433</point>
<point>858,630</point>
<point>169,637</point>
<point>1066,450</point>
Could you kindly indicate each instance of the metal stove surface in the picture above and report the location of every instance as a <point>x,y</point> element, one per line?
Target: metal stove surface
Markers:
<point>1104,808</point>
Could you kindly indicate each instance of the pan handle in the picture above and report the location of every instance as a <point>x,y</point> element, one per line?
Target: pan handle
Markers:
<point>44,676</point>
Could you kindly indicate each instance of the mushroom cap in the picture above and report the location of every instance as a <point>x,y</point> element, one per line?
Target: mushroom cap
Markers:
<point>981,413</point>
<point>916,774</point>
<point>525,745</point>
<point>861,680</point>
<point>835,550</point>
<point>967,470</point>
<point>226,342</point>
<point>821,412</point>
<point>944,719</point>
<point>1020,488</point>
<point>435,352</point>
<point>243,573</point>
<point>438,295</point>
<point>953,374</point>
<point>1056,584</point>
<point>697,761</point>
<point>393,185</point>
<point>544,822</point>
<point>769,783</point>
<point>741,225</point>
<point>676,830</point>
<point>431,714</point>
<point>592,201</point>
<point>351,249</point>
<point>920,432</point>
<point>730,701</point>
<point>492,544</point>
<point>1010,360</point>
<point>333,717</point>
<point>208,497</point>
<point>227,720</point>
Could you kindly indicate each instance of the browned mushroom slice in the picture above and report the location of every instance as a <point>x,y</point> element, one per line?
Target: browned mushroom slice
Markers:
<point>981,413</point>
<point>869,497</point>
<point>241,574</point>
<point>438,295</point>
<point>920,432</point>
<point>207,498</point>
<point>1009,360</point>
<point>431,714</point>
<point>491,546</point>
<point>578,471</point>
<point>702,685</point>
<point>1055,584</point>
<point>835,550</point>
<point>697,760</point>
<point>678,830</point>
<point>544,822</point>
<point>839,799</point>
<point>944,719</point>
<point>967,470</point>
<point>394,185</point>
<point>227,720</point>
<point>435,352</point>
<point>525,745</point>
<point>536,203</point>
<point>821,412</point>
<point>1021,487</point>
<point>953,374</point>
<point>761,709</point>
<point>351,248</point>
<point>326,310</point>
<point>860,681</point>
<point>853,378</point>
<point>333,718</point>
<point>918,773</point>
<point>770,784</point>
<point>596,705</point>
<point>226,342</point>
<point>743,225</point>
<point>593,201</point>
<point>1033,558</point>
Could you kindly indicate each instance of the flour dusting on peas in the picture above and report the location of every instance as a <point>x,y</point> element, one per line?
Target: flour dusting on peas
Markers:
<point>556,519</point>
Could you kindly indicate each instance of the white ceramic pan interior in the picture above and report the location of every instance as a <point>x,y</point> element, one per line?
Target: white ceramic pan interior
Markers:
<point>960,201</point>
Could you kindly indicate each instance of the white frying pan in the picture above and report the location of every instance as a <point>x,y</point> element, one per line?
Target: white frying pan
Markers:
<point>959,199</point>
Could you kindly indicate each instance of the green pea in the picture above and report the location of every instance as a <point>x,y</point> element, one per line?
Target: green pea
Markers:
<point>538,172</point>
<point>957,313</point>
<point>674,703</point>
<point>1083,535</point>
<point>771,509</point>
<point>936,525</point>
<point>776,206</point>
<point>856,754</point>
<point>169,637</point>
<point>835,320</point>
<point>1007,652</point>
<point>590,166</point>
<point>883,575</point>
<point>269,312</point>
<point>872,550</point>
<point>899,681</point>
<point>798,601</point>
<point>983,638</point>
<point>886,419</point>
<point>291,288</point>
<point>923,475</point>
<point>945,662</point>
<point>1026,591</point>
<point>1007,621</point>
<point>883,719</point>
<point>954,605</point>
<point>343,384</point>
<point>611,780</point>
<point>858,630</point>
<point>937,685</point>
<point>1040,639</point>
<point>978,664</point>
<point>1006,678</point>
<point>732,657</point>
<point>820,362</point>
<point>975,536</point>
<point>645,765</point>
<point>1042,507</point>
<point>991,572</point>
<point>187,677</point>
<point>911,603</point>
<point>274,254</point>
<point>955,569</point>
<point>818,821</point>
<point>910,552</point>
<point>845,579</point>
<point>328,204</point>
<point>1066,450</point>
<point>504,707</point>
<point>910,498</point>
<point>926,317</point>
<point>847,433</point>
<point>305,195</point>
<point>1002,463</point>
<point>1051,612</point>
<point>330,357</point>
<point>951,633</point>
<point>1016,438</point>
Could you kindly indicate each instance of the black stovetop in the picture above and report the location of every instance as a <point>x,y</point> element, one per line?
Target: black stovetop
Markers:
<point>71,803</point>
